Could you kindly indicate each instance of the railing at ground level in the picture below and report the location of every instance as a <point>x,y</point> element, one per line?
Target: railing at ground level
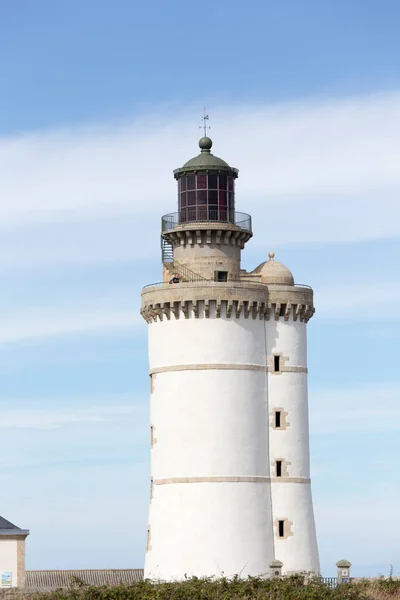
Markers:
<point>330,582</point>
<point>205,215</point>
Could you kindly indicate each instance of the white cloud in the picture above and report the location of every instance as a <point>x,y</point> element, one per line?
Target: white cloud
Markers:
<point>320,171</point>
<point>359,410</point>
<point>42,323</point>
<point>311,172</point>
<point>362,301</point>
<point>53,419</point>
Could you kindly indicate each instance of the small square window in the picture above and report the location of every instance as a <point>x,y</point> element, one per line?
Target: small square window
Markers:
<point>277,363</point>
<point>221,276</point>
<point>277,419</point>
<point>279,468</point>
<point>281,529</point>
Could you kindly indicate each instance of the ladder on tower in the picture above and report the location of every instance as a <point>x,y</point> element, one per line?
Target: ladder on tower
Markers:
<point>167,251</point>
<point>175,267</point>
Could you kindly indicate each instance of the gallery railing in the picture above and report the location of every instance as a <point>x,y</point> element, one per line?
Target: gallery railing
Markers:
<point>204,215</point>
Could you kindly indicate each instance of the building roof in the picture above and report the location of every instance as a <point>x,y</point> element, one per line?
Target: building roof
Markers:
<point>52,580</point>
<point>8,528</point>
<point>205,161</point>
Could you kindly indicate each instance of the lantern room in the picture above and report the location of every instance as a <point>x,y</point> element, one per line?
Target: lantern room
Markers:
<point>206,188</point>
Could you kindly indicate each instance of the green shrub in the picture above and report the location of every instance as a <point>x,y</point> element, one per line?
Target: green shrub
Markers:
<point>296,587</point>
<point>287,588</point>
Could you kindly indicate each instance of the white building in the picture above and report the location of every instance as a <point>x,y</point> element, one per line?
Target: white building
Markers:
<point>12,554</point>
<point>230,487</point>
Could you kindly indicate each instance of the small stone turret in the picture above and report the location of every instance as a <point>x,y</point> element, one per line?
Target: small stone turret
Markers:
<point>274,272</point>
<point>275,569</point>
<point>343,567</point>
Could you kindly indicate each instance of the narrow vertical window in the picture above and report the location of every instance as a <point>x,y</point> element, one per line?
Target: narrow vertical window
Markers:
<point>279,468</point>
<point>277,363</point>
<point>148,545</point>
<point>282,310</point>
<point>277,418</point>
<point>152,440</point>
<point>281,529</point>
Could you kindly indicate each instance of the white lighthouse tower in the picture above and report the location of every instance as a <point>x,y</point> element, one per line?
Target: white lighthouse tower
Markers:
<point>230,480</point>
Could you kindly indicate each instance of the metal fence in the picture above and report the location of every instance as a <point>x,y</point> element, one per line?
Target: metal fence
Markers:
<point>330,582</point>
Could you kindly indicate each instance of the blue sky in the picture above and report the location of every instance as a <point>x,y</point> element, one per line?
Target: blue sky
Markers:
<point>100,102</point>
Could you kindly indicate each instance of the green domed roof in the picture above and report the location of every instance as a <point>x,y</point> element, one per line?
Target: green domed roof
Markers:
<point>205,161</point>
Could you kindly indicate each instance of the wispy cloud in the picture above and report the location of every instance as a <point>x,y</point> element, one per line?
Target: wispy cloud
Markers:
<point>356,410</point>
<point>362,301</point>
<point>42,323</point>
<point>54,419</point>
<point>311,172</point>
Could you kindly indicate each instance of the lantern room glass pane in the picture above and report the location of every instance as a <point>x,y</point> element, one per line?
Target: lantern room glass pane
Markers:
<point>182,182</point>
<point>191,182</point>
<point>201,197</point>
<point>213,182</point>
<point>222,182</point>
<point>202,182</point>
<point>222,198</point>
<point>202,212</point>
<point>212,197</point>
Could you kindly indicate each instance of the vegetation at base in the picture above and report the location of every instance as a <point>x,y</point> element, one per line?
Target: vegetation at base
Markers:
<point>288,588</point>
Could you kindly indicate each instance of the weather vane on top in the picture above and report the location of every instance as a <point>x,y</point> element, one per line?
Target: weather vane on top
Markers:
<point>204,125</point>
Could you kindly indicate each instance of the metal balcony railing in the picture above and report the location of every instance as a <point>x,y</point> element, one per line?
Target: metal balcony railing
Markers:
<point>204,215</point>
<point>185,274</point>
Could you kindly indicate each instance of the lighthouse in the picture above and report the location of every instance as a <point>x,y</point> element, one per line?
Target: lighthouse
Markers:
<point>230,487</point>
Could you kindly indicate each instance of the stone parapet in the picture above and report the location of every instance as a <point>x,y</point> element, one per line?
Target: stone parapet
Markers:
<point>231,299</point>
<point>192,233</point>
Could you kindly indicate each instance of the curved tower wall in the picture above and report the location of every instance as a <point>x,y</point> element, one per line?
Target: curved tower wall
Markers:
<point>210,511</point>
<point>206,258</point>
<point>289,443</point>
<point>218,505</point>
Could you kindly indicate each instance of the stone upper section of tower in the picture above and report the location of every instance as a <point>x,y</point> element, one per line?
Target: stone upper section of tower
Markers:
<point>201,254</point>
<point>205,161</point>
